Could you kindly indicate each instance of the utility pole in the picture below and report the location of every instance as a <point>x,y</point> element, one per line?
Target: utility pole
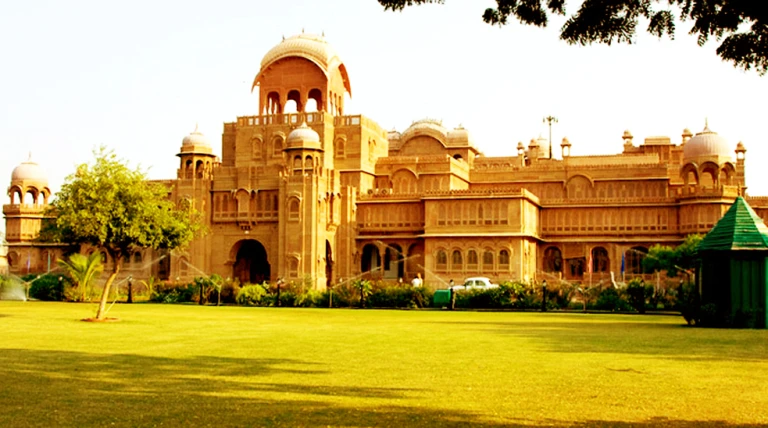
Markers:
<point>550,120</point>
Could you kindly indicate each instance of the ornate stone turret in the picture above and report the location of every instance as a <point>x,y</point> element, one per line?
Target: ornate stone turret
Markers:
<point>29,195</point>
<point>533,149</point>
<point>196,157</point>
<point>566,147</point>
<point>686,135</point>
<point>627,137</point>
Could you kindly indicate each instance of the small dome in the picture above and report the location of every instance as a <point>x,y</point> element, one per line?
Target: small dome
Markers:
<point>459,136</point>
<point>393,135</point>
<point>29,171</point>
<point>565,142</point>
<point>196,142</point>
<point>706,144</point>
<point>426,125</point>
<point>533,143</point>
<point>627,134</point>
<point>303,137</point>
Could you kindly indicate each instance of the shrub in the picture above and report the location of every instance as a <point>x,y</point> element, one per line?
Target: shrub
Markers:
<point>399,296</point>
<point>171,292</point>
<point>251,295</point>
<point>688,303</point>
<point>312,299</point>
<point>229,290</point>
<point>45,287</point>
<point>610,299</point>
<point>560,294</point>
<point>638,293</point>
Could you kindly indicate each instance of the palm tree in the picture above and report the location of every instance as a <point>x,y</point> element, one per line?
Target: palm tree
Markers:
<point>83,269</point>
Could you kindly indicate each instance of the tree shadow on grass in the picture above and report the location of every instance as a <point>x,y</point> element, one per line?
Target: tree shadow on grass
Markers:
<point>56,388</point>
<point>569,333</point>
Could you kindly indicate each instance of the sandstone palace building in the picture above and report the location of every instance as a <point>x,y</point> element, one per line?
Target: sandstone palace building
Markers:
<point>303,191</point>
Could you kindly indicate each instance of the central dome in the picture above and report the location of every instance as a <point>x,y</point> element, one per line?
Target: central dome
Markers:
<point>310,47</point>
<point>706,144</point>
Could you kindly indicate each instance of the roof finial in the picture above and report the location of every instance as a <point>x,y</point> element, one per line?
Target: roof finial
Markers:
<point>283,37</point>
<point>29,159</point>
<point>323,33</point>
<point>302,30</point>
<point>706,123</point>
<point>195,128</point>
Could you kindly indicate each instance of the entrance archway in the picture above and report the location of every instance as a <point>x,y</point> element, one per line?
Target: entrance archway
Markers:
<point>251,265</point>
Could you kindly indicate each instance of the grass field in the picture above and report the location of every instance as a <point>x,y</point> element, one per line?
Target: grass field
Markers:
<point>165,365</point>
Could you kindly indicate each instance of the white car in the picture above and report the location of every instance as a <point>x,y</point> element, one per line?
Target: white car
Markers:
<point>477,283</point>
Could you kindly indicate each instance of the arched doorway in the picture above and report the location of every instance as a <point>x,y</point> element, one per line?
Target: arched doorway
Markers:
<point>251,265</point>
<point>371,260</point>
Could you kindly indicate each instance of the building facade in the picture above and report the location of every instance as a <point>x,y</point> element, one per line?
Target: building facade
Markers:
<point>306,193</point>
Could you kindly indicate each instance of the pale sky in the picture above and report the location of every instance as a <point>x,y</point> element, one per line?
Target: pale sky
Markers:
<point>137,77</point>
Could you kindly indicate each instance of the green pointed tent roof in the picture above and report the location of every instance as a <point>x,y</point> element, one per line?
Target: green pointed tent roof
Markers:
<point>739,229</point>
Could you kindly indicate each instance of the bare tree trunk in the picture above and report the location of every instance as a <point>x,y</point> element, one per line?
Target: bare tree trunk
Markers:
<point>100,314</point>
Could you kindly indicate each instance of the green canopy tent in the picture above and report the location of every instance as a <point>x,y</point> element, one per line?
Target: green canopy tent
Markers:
<point>733,274</point>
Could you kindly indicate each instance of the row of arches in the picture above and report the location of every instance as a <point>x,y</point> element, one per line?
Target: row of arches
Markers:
<point>198,169</point>
<point>392,261</point>
<point>29,195</point>
<point>471,260</point>
<point>296,102</point>
<point>309,165</point>
<point>553,262</point>
<point>708,174</point>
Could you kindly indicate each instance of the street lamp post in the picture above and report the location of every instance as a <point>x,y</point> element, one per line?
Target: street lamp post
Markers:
<point>549,120</point>
<point>130,289</point>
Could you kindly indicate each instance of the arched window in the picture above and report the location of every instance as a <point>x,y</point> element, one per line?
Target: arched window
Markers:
<point>277,146</point>
<point>297,165</point>
<point>553,260</point>
<point>503,260</point>
<point>472,260</point>
<point>137,257</point>
<point>488,261</point>
<point>633,260</point>
<point>293,267</point>
<point>600,261</point>
<point>293,209</point>
<point>256,145</point>
<point>340,143</point>
<point>441,261</point>
<point>457,262</point>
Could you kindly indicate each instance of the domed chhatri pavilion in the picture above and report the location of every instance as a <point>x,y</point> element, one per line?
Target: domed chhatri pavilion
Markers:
<point>304,192</point>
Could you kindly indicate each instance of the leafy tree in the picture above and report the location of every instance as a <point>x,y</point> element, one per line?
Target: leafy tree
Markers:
<point>672,260</point>
<point>110,206</point>
<point>740,25</point>
<point>83,269</point>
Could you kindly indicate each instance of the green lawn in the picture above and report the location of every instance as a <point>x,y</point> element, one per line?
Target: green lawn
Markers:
<point>165,365</point>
